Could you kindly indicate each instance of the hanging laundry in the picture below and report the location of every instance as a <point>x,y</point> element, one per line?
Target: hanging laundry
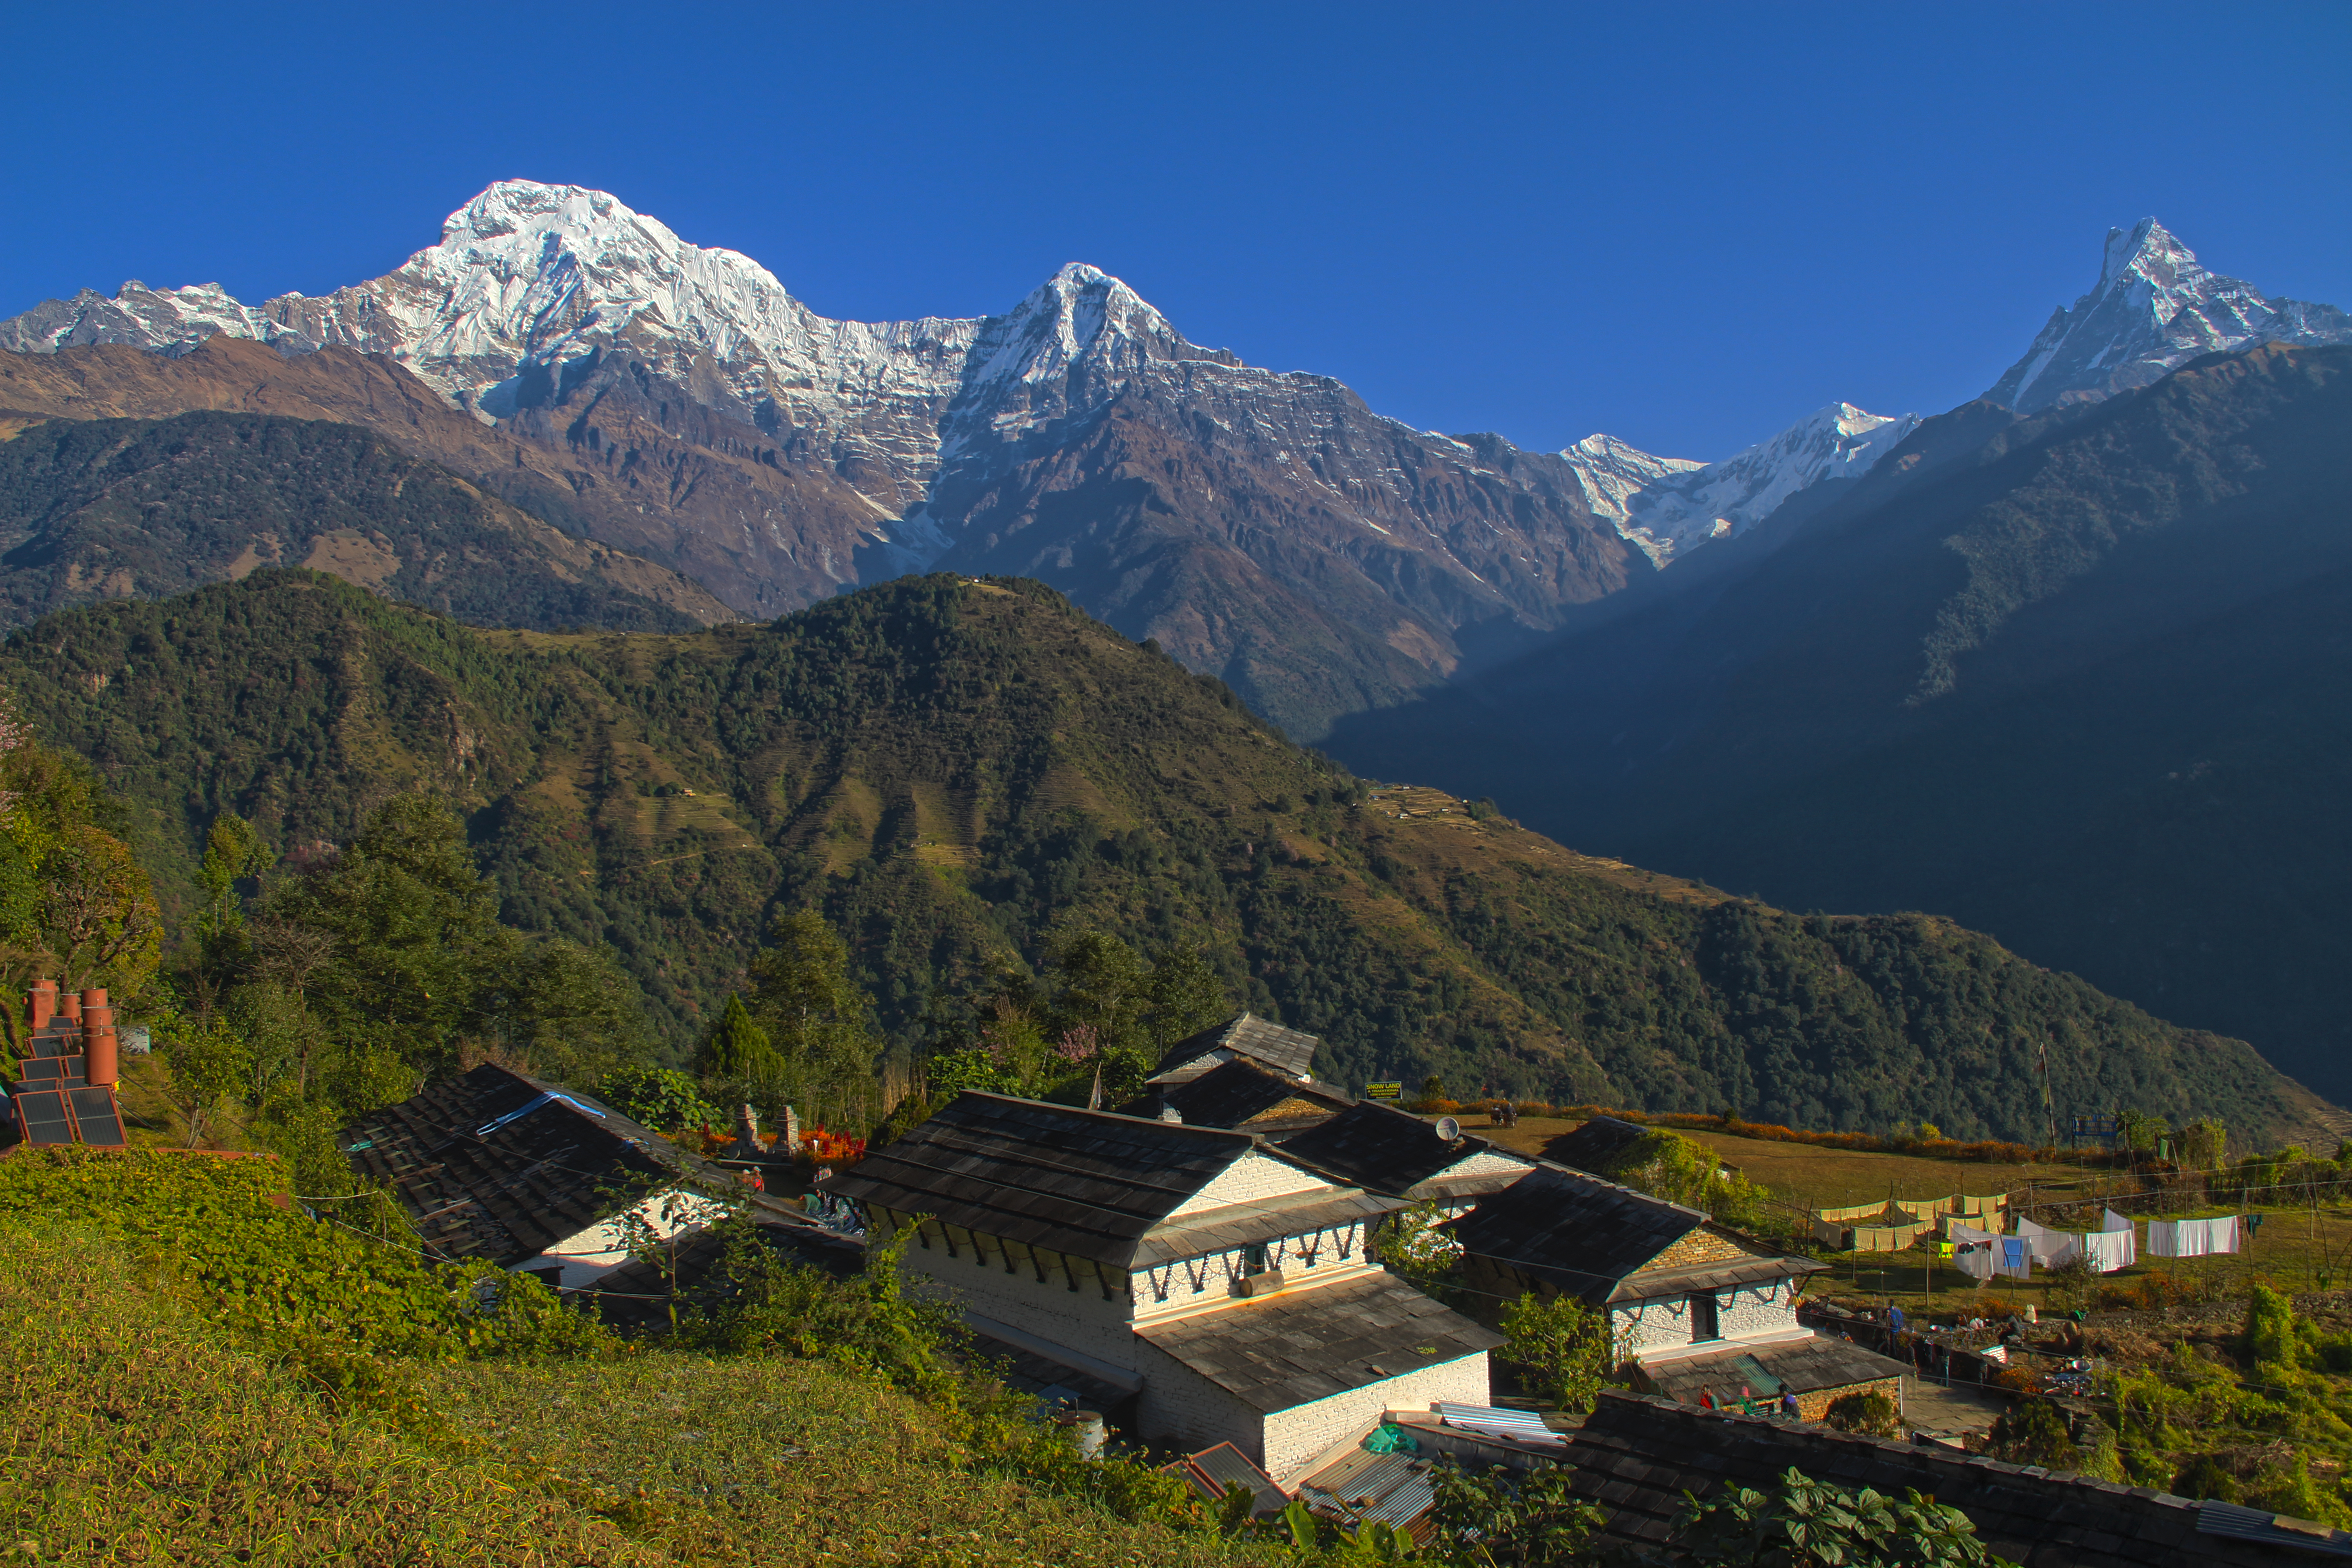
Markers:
<point>2192,1237</point>
<point>2117,1240</point>
<point>2050,1248</point>
<point>2016,1257</point>
<point>1977,1252</point>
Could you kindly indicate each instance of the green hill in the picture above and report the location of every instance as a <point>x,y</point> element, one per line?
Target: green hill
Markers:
<point>956,770</point>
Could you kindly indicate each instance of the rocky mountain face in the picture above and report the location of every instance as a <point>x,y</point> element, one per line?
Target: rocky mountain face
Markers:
<point>2065,677</point>
<point>1667,506</point>
<point>679,401</point>
<point>2155,309</point>
<point>117,508</point>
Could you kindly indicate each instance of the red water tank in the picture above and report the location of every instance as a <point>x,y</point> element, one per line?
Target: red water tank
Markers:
<point>43,1004</point>
<point>97,1053</point>
<point>70,1004</point>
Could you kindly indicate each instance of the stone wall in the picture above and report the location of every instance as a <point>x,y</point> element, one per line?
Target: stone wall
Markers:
<point>1295,1437</point>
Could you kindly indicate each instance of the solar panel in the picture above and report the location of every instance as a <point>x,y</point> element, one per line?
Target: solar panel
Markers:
<point>96,1117</point>
<point>61,1044</point>
<point>41,1112</point>
<point>60,1069</point>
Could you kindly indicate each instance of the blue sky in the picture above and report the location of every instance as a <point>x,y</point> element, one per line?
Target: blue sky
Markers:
<point>1686,226</point>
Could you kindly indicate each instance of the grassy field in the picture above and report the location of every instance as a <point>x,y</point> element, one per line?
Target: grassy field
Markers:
<point>1813,1177</point>
<point>232,1394</point>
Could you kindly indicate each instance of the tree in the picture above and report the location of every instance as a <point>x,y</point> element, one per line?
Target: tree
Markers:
<point>233,851</point>
<point>99,912</point>
<point>736,1047</point>
<point>817,1019</point>
<point>209,1066</point>
<point>1563,1345</point>
<point>1412,1244</point>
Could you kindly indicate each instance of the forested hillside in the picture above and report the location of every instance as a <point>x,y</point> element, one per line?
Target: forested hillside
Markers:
<point>2077,680</point>
<point>958,773</point>
<point>107,509</point>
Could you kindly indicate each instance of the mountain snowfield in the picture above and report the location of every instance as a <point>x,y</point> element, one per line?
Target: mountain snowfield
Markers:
<point>2155,309</point>
<point>532,285</point>
<point>1667,505</point>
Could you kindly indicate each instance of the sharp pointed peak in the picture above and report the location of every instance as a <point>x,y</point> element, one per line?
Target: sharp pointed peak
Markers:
<point>2134,250</point>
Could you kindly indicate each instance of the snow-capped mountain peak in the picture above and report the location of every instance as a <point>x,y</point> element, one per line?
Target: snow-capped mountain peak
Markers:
<point>2156,307</point>
<point>1665,506</point>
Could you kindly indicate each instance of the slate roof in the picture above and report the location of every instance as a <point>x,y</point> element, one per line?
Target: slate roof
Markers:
<point>1394,1152</point>
<point>1636,1455</point>
<point>1285,1051</point>
<point>1572,1231</point>
<point>1595,1146</point>
<point>499,1165</point>
<point>1803,1366</point>
<point>1236,1092</point>
<point>1087,1184</point>
<point>1661,1282</point>
<point>1306,1344</point>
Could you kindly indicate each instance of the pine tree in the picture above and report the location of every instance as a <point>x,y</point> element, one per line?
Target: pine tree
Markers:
<point>738,1047</point>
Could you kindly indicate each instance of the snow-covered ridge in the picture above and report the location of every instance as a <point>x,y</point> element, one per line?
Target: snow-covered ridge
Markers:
<point>1665,506</point>
<point>2156,307</point>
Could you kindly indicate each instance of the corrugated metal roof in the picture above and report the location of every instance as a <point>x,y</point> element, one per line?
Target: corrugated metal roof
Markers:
<point>1523,1426</point>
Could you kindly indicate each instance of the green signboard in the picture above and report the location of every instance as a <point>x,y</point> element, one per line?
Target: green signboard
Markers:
<point>1384,1091</point>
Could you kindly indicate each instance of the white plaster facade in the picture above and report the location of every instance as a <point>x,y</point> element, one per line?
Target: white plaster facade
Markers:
<point>589,1255</point>
<point>1760,1310</point>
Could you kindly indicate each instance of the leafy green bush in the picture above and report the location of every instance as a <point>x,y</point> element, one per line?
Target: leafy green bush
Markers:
<point>1869,1413</point>
<point>1562,1346</point>
<point>1806,1523</point>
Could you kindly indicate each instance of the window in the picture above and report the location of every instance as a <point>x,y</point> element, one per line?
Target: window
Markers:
<point>1702,1317</point>
<point>1254,1257</point>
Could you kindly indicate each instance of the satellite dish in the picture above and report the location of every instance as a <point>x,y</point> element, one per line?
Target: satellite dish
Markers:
<point>1448,1128</point>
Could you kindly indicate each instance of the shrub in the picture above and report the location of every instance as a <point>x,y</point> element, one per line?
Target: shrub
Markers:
<point>1563,1345</point>
<point>1806,1523</point>
<point>1870,1413</point>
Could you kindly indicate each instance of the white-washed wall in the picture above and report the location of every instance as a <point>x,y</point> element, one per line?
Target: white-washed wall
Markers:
<point>595,1252</point>
<point>1184,1409</point>
<point>1295,1438</point>
<point>1203,1284</point>
<point>1741,1312</point>
<point>977,1279</point>
<point>1253,1178</point>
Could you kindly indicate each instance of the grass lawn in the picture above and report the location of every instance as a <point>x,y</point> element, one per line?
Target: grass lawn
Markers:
<point>1813,1177</point>
<point>140,1433</point>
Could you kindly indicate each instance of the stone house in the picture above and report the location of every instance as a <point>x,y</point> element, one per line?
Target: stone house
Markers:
<point>1399,1155</point>
<point>537,1179</point>
<point>1694,1307</point>
<point>1204,1285</point>
<point>1246,1094</point>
